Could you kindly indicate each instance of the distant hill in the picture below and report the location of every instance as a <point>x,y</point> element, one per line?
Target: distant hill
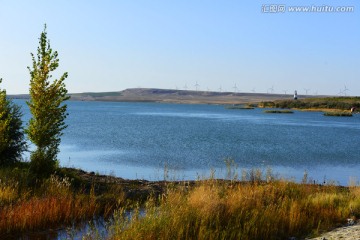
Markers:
<point>178,96</point>
<point>19,96</point>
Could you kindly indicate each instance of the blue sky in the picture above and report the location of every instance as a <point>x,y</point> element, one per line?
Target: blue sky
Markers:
<point>114,45</point>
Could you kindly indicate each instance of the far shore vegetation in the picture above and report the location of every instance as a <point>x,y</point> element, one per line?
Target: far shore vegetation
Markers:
<point>278,111</point>
<point>338,114</point>
<point>329,103</point>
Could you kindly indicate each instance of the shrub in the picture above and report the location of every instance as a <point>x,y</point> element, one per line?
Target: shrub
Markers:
<point>12,142</point>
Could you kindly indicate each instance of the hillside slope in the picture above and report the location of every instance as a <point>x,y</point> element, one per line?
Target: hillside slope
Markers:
<point>178,96</point>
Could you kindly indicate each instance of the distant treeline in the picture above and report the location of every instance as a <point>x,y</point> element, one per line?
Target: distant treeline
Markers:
<point>342,103</point>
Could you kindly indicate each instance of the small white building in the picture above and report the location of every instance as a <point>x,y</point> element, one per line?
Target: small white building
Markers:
<point>295,95</point>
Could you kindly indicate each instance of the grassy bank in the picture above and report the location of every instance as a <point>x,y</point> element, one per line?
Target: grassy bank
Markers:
<point>257,207</point>
<point>321,104</point>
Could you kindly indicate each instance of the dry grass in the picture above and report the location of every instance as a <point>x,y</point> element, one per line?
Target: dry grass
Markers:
<point>53,203</point>
<point>8,193</point>
<point>224,210</point>
<point>205,209</point>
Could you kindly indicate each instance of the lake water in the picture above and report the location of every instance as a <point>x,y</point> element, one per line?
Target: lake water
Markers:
<point>140,140</point>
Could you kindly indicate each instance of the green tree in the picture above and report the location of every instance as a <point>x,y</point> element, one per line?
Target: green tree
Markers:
<point>47,107</point>
<point>12,142</point>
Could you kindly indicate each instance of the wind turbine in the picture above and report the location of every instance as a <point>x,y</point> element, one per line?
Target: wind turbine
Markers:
<point>253,90</point>
<point>340,92</point>
<point>196,86</point>
<point>306,90</point>
<point>235,88</point>
<point>316,92</point>
<point>345,89</point>
<point>285,91</point>
<point>185,87</point>
<point>271,89</point>
<point>176,88</point>
<point>220,89</point>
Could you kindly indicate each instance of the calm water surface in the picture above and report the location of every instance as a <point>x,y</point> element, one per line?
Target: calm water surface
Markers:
<point>137,140</point>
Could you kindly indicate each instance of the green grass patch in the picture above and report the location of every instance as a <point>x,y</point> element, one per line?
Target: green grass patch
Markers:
<point>338,114</point>
<point>278,111</point>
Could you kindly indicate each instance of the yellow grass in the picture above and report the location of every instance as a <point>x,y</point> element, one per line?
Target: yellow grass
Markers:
<point>7,193</point>
<point>219,210</point>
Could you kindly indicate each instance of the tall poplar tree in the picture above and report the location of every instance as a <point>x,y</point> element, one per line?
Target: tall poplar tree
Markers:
<point>47,107</point>
<point>12,142</point>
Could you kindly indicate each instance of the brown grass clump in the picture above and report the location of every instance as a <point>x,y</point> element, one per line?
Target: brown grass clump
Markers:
<point>56,204</point>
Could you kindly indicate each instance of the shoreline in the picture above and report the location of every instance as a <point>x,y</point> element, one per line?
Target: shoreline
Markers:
<point>116,192</point>
<point>347,232</point>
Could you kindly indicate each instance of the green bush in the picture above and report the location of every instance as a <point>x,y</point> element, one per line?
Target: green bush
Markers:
<point>12,142</point>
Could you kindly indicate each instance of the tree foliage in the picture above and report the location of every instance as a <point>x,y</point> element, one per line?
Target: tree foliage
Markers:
<point>12,142</point>
<point>47,107</point>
